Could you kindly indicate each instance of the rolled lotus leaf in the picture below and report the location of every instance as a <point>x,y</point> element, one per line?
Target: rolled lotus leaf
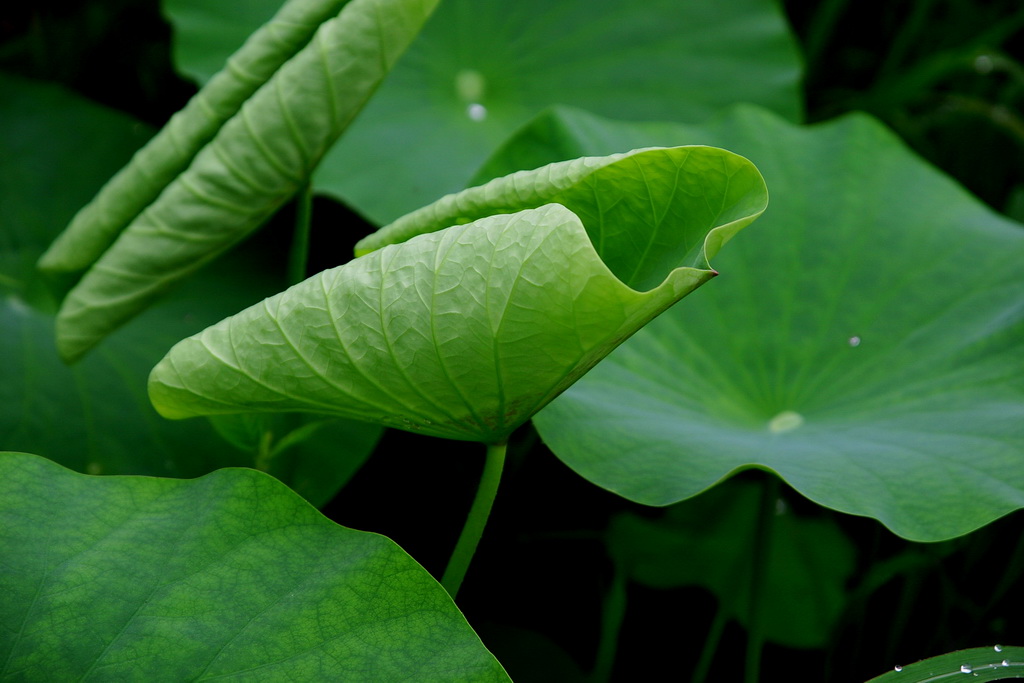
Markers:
<point>169,152</point>
<point>465,332</point>
<point>256,162</point>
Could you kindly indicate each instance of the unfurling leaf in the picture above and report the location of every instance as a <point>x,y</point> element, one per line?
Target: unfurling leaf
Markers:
<point>467,331</point>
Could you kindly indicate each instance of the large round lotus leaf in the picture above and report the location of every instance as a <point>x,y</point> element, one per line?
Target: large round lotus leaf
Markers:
<point>866,341</point>
<point>481,68</point>
<point>95,416</point>
<point>230,576</point>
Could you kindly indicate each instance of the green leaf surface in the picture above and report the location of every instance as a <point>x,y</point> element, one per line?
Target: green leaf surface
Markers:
<point>482,68</point>
<point>230,576</point>
<point>96,416</point>
<point>865,345</point>
<point>709,542</point>
<point>467,331</point>
<point>98,223</point>
<point>997,663</point>
<point>255,163</point>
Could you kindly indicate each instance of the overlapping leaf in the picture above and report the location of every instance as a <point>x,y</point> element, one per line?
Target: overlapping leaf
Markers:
<point>467,331</point>
<point>227,576</point>
<point>866,344</point>
<point>95,416</point>
<point>154,166</point>
<point>257,160</point>
<point>482,68</point>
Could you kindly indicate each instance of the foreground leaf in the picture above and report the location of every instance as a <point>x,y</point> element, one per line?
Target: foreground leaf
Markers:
<point>230,575</point>
<point>466,332</point>
<point>154,166</point>
<point>95,417</point>
<point>866,344</point>
<point>256,162</point>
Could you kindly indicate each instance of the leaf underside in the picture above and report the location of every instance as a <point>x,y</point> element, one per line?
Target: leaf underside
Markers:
<point>466,332</point>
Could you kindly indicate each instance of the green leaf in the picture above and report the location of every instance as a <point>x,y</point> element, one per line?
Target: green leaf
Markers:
<point>483,68</point>
<point>96,416</point>
<point>98,224</point>
<point>257,160</point>
<point>230,575</point>
<point>865,344</point>
<point>466,332</point>
<point>708,542</point>
<point>996,663</point>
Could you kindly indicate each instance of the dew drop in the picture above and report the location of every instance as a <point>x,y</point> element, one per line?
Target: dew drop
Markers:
<point>476,112</point>
<point>470,85</point>
<point>1006,662</point>
<point>897,668</point>
<point>780,507</point>
<point>854,341</point>
<point>984,64</point>
<point>998,648</point>
<point>785,421</point>
<point>964,669</point>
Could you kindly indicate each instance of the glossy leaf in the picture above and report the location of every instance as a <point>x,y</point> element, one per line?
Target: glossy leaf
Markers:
<point>96,417</point>
<point>709,542</point>
<point>230,575</point>
<point>467,331</point>
<point>865,345</point>
<point>257,160</point>
<point>99,222</point>
<point>997,663</point>
<point>482,68</point>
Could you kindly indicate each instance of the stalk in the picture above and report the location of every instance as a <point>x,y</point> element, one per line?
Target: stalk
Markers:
<point>476,521</point>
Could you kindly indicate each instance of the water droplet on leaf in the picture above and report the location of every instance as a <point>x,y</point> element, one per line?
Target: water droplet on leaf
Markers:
<point>785,421</point>
<point>476,112</point>
<point>964,669</point>
<point>998,648</point>
<point>854,341</point>
<point>898,668</point>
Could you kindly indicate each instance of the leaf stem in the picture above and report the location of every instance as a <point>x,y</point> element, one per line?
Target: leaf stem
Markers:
<point>476,521</point>
<point>707,655</point>
<point>612,616</point>
<point>762,556</point>
<point>299,256</point>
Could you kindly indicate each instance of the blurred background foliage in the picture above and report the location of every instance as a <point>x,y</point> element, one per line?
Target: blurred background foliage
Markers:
<point>562,574</point>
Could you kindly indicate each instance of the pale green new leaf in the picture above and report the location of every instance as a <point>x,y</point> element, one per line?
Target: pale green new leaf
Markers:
<point>231,576</point>
<point>257,160</point>
<point>99,222</point>
<point>468,331</point>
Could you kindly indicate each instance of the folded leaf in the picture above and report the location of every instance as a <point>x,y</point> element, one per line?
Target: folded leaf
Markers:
<point>228,576</point>
<point>257,160</point>
<point>466,332</point>
<point>125,195</point>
